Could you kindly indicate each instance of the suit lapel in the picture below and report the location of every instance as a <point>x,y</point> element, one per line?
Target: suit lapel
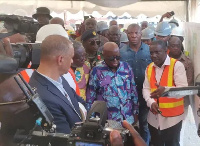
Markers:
<point>69,91</point>
<point>52,88</point>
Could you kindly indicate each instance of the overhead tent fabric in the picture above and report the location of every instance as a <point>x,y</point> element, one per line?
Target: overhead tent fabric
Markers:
<point>118,7</point>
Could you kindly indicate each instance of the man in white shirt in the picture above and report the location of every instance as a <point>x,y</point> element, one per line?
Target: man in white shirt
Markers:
<point>165,115</point>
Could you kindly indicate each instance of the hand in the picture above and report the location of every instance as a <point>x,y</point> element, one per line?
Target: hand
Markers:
<point>116,140</point>
<point>167,15</point>
<point>5,47</point>
<point>158,92</point>
<point>154,108</point>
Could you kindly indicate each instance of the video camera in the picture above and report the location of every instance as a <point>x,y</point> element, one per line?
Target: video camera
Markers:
<point>20,24</point>
<point>24,53</point>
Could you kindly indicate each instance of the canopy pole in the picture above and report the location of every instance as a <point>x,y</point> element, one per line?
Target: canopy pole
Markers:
<point>187,11</point>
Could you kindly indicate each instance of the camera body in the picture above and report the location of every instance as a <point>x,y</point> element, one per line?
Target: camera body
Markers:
<point>88,133</point>
<point>93,134</point>
<point>25,53</point>
<point>21,24</point>
<point>95,131</point>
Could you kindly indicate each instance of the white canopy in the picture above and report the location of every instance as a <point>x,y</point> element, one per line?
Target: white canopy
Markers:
<point>118,7</point>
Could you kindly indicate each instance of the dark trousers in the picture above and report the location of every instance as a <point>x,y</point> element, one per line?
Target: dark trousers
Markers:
<point>166,137</point>
<point>143,124</point>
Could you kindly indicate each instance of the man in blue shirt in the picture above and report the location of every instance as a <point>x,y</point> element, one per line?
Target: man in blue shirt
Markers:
<point>137,54</point>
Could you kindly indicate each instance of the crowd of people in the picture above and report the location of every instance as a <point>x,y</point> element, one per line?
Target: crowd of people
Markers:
<point>128,70</point>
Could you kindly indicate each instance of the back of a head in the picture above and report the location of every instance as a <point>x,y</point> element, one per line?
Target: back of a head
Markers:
<point>163,29</point>
<point>54,45</point>
<point>57,20</point>
<point>50,29</point>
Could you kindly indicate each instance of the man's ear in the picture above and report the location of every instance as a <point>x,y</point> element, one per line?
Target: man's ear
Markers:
<point>60,60</point>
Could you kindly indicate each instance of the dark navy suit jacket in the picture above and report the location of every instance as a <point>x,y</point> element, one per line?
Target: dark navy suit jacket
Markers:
<point>64,114</point>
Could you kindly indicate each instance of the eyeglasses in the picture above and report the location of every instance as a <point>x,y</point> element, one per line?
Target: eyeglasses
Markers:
<point>95,41</point>
<point>113,58</point>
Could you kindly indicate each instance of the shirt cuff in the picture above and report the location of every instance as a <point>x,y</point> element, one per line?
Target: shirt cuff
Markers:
<point>150,101</point>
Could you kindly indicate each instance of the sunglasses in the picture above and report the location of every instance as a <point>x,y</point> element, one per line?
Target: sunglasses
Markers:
<point>113,58</point>
<point>93,42</point>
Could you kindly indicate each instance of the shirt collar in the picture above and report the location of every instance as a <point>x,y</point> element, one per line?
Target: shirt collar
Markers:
<point>182,57</point>
<point>141,46</point>
<point>56,83</point>
<point>104,63</point>
<point>166,62</point>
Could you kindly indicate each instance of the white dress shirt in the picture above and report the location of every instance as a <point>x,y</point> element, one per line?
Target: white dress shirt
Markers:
<point>180,80</point>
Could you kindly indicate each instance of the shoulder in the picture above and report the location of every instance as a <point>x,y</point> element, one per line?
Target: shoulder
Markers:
<point>36,78</point>
<point>179,65</point>
<point>125,65</point>
<point>145,47</point>
<point>124,49</point>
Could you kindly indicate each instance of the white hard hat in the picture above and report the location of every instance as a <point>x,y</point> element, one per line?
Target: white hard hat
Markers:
<point>69,27</point>
<point>123,37</point>
<point>173,25</point>
<point>151,27</point>
<point>20,12</point>
<point>163,29</point>
<point>102,25</point>
<point>178,31</point>
<point>147,34</point>
<point>50,29</point>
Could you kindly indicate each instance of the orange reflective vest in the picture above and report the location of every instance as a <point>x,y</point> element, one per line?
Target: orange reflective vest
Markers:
<point>169,107</point>
<point>74,78</point>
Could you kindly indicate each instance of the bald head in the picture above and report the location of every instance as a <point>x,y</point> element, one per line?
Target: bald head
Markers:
<point>113,22</point>
<point>90,24</point>
<point>110,47</point>
<point>111,55</point>
<point>57,20</point>
<point>54,45</point>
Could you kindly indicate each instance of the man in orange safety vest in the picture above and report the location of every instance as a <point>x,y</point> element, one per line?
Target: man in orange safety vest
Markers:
<point>166,113</point>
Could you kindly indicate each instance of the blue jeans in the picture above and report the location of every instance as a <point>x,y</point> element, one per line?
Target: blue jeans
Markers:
<point>144,130</point>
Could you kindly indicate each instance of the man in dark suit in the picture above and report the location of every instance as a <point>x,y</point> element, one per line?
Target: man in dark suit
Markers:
<point>56,58</point>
